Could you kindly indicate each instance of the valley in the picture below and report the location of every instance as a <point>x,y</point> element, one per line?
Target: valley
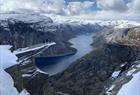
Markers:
<point>82,61</point>
<point>52,65</point>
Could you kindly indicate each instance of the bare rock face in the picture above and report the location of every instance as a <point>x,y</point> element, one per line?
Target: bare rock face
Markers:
<point>22,30</point>
<point>89,74</point>
<point>30,77</point>
<point>114,84</point>
<point>92,74</point>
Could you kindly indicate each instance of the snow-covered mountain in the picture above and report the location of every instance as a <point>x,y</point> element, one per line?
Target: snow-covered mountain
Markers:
<point>114,23</point>
<point>85,21</point>
<point>38,29</point>
<point>72,20</point>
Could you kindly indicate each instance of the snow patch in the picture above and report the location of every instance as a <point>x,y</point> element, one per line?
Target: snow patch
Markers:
<point>40,71</point>
<point>132,87</point>
<point>138,66</point>
<point>7,84</point>
<point>24,92</point>
<point>7,58</point>
<point>36,47</point>
<point>115,74</point>
<point>26,75</point>
<point>110,89</point>
<point>129,73</point>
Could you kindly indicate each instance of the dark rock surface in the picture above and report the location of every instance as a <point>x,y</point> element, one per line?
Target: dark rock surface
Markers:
<point>87,76</point>
<point>114,84</point>
<point>26,30</point>
<point>90,74</point>
<point>30,77</point>
<point>22,30</point>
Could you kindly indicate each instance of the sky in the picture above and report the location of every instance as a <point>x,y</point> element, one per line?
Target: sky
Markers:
<point>94,9</point>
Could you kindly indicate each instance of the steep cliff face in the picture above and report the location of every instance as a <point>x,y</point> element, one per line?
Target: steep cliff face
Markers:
<point>22,30</point>
<point>123,81</point>
<point>26,30</point>
<point>92,74</point>
<point>117,49</point>
<point>89,74</point>
<point>30,77</point>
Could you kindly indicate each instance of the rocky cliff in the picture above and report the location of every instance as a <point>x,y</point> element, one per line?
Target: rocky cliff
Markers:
<point>26,30</point>
<point>92,74</point>
<point>116,49</point>
<point>22,30</point>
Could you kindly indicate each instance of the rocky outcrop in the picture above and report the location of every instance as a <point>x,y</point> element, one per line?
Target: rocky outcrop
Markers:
<point>22,30</point>
<point>115,83</point>
<point>91,74</point>
<point>26,30</point>
<point>28,76</point>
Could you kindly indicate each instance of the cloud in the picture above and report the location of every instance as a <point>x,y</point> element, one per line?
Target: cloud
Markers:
<point>118,9</point>
<point>11,5</point>
<point>134,5</point>
<point>48,6</point>
<point>112,5</point>
<point>55,6</point>
<point>95,9</point>
<point>78,7</point>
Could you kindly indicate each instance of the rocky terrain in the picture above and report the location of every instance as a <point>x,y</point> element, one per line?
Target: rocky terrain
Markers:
<point>22,30</point>
<point>116,50</point>
<point>90,74</point>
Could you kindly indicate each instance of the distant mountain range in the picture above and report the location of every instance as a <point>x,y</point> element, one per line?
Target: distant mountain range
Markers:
<point>116,52</point>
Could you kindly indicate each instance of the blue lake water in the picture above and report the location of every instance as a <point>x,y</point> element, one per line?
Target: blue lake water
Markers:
<point>58,64</point>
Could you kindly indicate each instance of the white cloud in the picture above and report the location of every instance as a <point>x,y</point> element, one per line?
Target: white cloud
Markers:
<point>49,6</point>
<point>112,15</point>
<point>78,7</point>
<point>55,6</point>
<point>134,5</point>
<point>36,5</point>
<point>118,9</point>
<point>112,5</point>
<point>109,9</point>
<point>11,5</point>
